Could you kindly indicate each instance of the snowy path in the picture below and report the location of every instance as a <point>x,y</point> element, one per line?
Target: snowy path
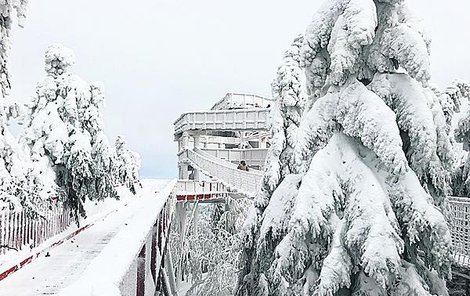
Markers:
<point>48,275</point>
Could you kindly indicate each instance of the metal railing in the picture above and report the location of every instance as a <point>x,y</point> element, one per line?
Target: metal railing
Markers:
<point>458,216</point>
<point>136,260</point>
<point>244,182</point>
<point>190,186</point>
<point>201,191</point>
<point>243,119</point>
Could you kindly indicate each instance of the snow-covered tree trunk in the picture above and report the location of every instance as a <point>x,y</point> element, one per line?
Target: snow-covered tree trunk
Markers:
<point>359,213</point>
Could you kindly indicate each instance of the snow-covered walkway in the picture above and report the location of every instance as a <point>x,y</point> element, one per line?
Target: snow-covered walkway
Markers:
<point>48,275</point>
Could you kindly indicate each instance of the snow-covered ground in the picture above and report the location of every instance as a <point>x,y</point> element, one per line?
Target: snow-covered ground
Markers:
<point>66,263</point>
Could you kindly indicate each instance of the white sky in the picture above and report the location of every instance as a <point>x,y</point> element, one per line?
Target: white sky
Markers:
<point>159,58</point>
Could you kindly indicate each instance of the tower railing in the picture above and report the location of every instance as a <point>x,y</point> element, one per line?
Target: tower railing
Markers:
<point>237,101</point>
<point>241,119</point>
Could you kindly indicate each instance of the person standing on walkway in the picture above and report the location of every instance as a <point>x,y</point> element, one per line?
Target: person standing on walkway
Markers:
<point>242,166</point>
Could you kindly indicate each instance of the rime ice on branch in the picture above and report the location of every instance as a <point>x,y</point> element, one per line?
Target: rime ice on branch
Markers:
<point>372,157</point>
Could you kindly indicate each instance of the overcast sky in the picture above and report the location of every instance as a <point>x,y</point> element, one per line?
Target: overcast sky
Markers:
<point>161,58</point>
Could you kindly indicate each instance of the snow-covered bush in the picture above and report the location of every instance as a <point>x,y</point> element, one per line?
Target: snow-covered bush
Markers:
<point>65,133</point>
<point>127,165</point>
<point>359,213</point>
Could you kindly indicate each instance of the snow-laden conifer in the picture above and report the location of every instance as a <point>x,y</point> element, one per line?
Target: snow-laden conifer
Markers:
<point>65,133</point>
<point>18,185</point>
<point>291,99</point>
<point>102,153</point>
<point>127,165</point>
<point>360,213</point>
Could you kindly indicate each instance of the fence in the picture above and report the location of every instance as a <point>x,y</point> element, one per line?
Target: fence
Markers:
<point>19,230</point>
<point>459,223</point>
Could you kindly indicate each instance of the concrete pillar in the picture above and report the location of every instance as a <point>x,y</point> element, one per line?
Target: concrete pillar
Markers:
<point>183,171</point>
<point>180,145</point>
<point>184,141</point>
<point>197,140</point>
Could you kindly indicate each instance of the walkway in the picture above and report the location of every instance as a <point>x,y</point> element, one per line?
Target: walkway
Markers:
<point>68,261</point>
<point>247,183</point>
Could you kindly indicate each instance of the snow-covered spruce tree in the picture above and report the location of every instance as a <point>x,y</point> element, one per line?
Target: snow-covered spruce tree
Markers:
<point>103,155</point>
<point>64,134</point>
<point>361,215</point>
<point>290,94</point>
<point>290,101</point>
<point>127,165</point>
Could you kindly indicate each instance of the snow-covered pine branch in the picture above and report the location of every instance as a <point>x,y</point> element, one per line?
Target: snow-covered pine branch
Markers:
<point>372,157</point>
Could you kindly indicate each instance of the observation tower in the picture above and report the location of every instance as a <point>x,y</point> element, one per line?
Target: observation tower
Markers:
<point>212,143</point>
